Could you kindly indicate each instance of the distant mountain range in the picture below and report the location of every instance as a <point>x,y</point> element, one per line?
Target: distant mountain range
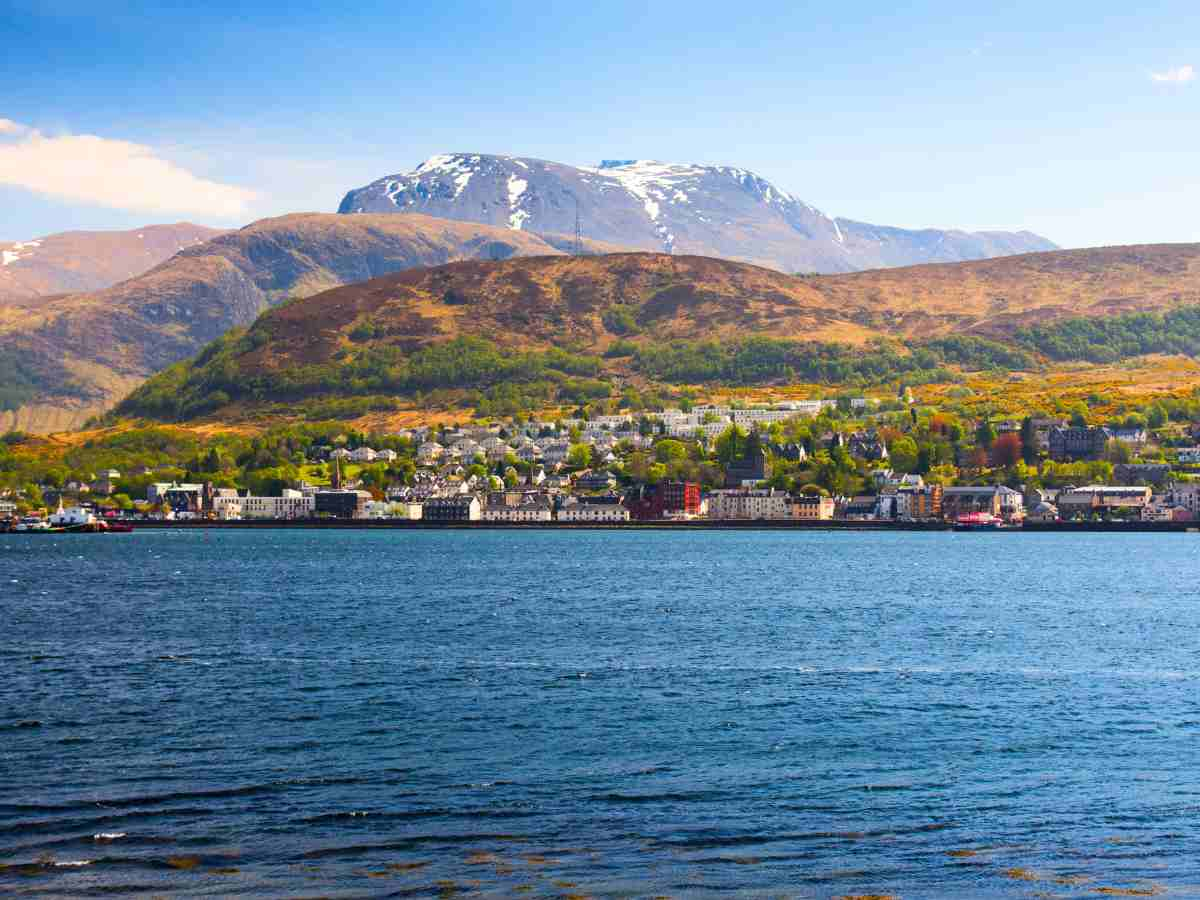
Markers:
<point>719,211</point>
<point>75,261</point>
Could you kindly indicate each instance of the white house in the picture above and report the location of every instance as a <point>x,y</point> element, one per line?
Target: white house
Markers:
<point>290,505</point>
<point>429,452</point>
<point>532,509</point>
<point>362,455</point>
<point>594,509</point>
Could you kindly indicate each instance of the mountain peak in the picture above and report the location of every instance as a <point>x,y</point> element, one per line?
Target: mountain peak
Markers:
<point>723,211</point>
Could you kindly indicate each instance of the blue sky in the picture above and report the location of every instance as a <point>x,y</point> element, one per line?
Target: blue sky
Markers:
<point>1078,121</point>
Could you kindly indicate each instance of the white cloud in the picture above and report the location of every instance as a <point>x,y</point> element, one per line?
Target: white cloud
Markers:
<point>1177,75</point>
<point>104,172</point>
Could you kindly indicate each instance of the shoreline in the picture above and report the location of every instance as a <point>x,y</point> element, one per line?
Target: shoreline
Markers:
<point>692,525</point>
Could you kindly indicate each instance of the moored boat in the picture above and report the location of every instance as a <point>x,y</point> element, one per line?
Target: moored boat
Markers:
<point>979,521</point>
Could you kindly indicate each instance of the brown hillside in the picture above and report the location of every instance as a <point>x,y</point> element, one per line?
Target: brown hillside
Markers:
<point>110,340</point>
<point>994,296</point>
<point>76,261</point>
<point>551,301</point>
<point>106,342</point>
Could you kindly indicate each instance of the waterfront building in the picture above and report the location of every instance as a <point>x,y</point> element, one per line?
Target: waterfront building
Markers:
<point>1101,498</point>
<point>664,500</point>
<point>749,504</point>
<point>1042,511</point>
<point>918,501</point>
<point>812,507</point>
<point>457,508</point>
<point>291,504</point>
<point>1186,494</point>
<point>862,508</point>
<point>524,507</point>
<point>340,504</point>
<point>996,500</point>
<point>607,508</point>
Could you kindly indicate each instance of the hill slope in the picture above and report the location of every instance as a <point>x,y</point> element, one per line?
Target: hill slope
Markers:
<point>487,325</point>
<point>89,260</point>
<point>65,358</point>
<point>719,211</point>
<point>995,296</point>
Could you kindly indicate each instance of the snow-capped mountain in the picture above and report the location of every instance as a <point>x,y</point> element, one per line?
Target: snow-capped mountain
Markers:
<point>719,211</point>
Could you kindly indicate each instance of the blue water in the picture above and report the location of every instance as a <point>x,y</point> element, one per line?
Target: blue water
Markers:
<point>298,713</point>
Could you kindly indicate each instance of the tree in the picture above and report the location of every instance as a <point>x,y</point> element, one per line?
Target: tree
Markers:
<point>212,461</point>
<point>1157,416</point>
<point>1117,452</point>
<point>1028,440</point>
<point>579,456</point>
<point>670,451</point>
<point>985,435</point>
<point>731,444</point>
<point>1006,450</point>
<point>904,454</point>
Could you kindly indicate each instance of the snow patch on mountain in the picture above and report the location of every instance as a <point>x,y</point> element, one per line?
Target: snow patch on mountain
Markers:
<point>724,211</point>
<point>20,250</point>
<point>516,190</point>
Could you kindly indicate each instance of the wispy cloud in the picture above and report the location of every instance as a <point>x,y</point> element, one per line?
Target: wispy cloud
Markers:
<point>9,127</point>
<point>113,173</point>
<point>1176,75</point>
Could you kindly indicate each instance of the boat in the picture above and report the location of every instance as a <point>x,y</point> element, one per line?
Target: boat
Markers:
<point>73,520</point>
<point>979,521</point>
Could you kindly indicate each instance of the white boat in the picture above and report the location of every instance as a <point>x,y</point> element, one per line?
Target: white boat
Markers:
<point>73,517</point>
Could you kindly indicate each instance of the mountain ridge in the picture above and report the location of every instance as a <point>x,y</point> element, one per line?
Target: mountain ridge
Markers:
<point>546,327</point>
<point>77,261</point>
<point>721,211</point>
<point>78,353</point>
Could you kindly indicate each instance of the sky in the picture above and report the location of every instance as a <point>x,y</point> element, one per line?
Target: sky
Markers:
<point>1078,121</point>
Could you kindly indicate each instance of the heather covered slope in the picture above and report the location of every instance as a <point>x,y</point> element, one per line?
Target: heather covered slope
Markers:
<point>75,261</point>
<point>563,329</point>
<point>65,358</point>
<point>995,296</point>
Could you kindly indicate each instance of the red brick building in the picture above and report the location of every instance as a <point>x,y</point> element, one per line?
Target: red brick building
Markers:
<point>657,501</point>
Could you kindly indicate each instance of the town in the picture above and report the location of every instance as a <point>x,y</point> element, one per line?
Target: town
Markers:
<point>861,460</point>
